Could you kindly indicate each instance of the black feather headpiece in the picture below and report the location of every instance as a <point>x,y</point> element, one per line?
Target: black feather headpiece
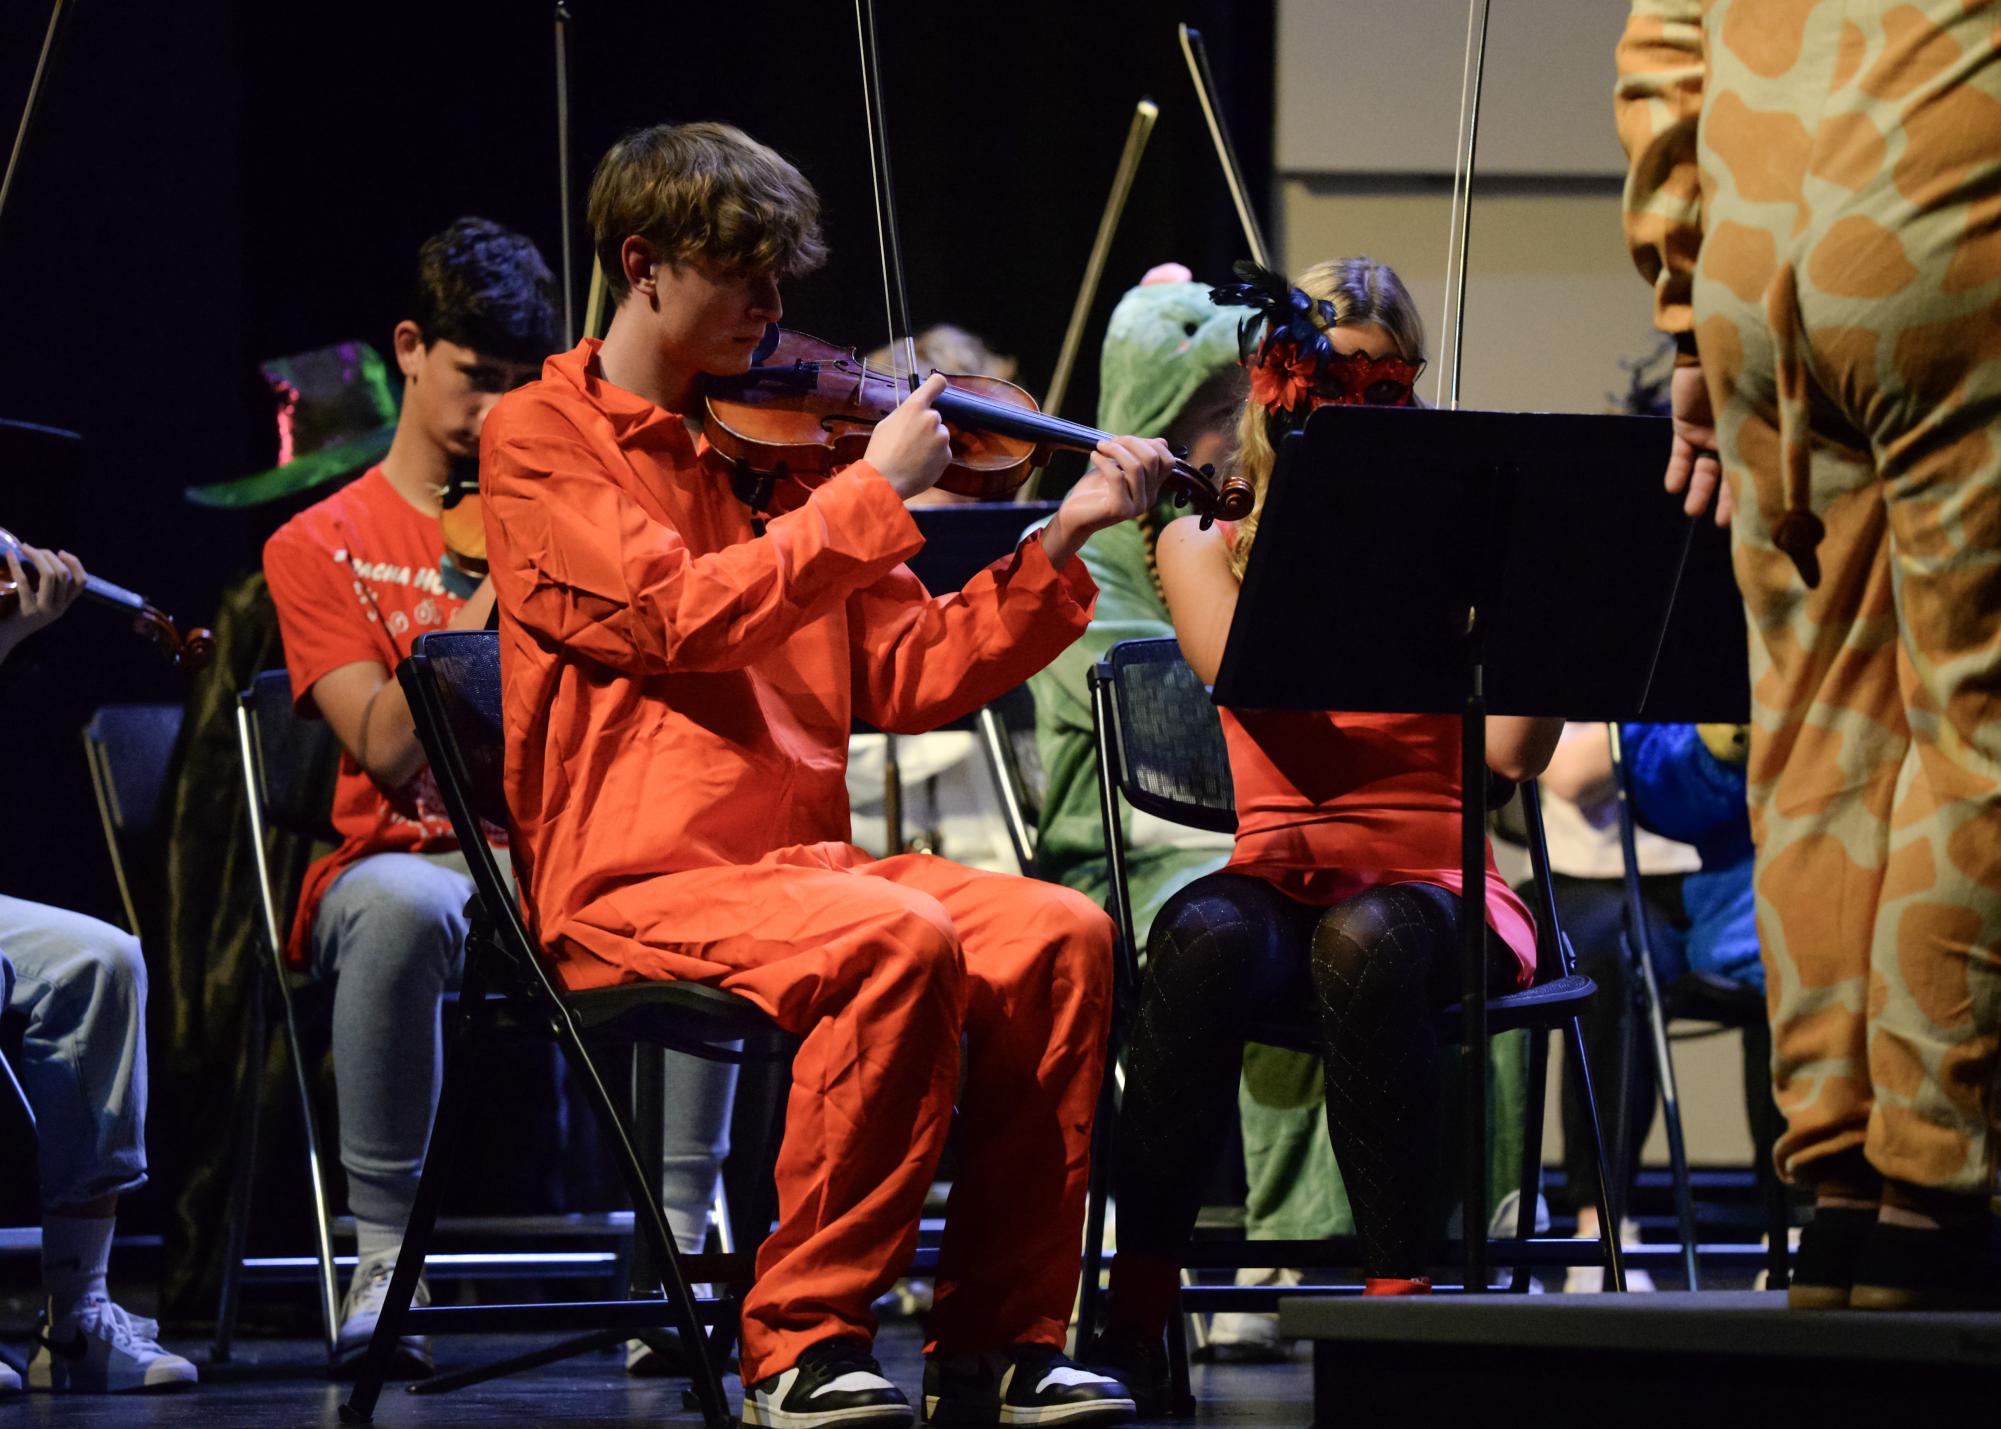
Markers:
<point>1285,311</point>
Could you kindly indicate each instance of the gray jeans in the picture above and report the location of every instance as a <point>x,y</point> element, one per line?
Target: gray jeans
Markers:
<point>81,986</point>
<point>391,932</point>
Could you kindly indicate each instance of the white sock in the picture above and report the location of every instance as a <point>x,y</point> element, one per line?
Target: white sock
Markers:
<point>376,1240</point>
<point>76,1251</point>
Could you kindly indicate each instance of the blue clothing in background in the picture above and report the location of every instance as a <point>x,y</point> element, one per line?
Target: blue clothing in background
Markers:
<point>1682,791</point>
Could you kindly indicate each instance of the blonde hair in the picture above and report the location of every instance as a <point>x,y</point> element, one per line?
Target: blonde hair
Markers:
<point>706,191</point>
<point>1360,290</point>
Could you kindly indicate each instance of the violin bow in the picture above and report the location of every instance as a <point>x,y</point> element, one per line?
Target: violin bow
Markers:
<point>566,210</point>
<point>59,13</point>
<point>895,294</point>
<point>1452,332</point>
<point>1197,56</point>
<point>1145,113</point>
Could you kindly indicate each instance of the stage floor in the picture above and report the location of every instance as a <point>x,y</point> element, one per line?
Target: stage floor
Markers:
<point>1673,1357</point>
<point>277,1384</point>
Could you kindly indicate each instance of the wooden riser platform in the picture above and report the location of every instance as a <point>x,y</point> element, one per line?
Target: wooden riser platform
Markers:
<point>1697,1360</point>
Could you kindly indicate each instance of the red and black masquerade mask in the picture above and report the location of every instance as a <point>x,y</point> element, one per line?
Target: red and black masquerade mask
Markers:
<point>1295,368</point>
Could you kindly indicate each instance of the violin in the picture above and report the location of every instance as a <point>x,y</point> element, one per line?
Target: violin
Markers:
<point>190,651</point>
<point>807,407</point>
<point>464,527</point>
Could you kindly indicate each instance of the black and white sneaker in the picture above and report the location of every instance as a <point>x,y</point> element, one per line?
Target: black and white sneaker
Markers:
<point>836,1381</point>
<point>1027,1384</point>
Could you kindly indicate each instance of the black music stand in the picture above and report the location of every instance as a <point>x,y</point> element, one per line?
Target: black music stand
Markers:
<point>961,539</point>
<point>1473,563</point>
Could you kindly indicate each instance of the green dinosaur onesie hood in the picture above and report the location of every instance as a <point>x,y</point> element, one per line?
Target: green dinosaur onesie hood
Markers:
<point>1164,341</point>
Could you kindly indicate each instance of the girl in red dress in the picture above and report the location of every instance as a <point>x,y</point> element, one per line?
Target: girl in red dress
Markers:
<point>1342,894</point>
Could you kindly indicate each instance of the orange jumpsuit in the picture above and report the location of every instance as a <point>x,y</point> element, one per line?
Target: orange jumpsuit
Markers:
<point>678,698</point>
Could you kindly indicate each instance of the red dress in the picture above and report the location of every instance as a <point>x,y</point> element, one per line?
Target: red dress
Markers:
<point>1331,805</point>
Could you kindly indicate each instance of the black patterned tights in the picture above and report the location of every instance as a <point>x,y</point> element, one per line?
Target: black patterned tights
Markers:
<point>1229,952</point>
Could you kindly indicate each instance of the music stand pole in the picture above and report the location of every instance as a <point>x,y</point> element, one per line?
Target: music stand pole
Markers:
<point>1473,954</point>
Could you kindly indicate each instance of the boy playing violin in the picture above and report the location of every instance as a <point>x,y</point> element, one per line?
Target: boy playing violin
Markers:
<point>679,686</point>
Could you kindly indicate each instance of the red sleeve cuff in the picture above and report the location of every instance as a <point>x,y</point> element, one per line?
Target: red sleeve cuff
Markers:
<point>1077,592</point>
<point>874,513</point>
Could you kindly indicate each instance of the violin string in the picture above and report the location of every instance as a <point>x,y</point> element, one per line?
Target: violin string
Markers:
<point>1452,335</point>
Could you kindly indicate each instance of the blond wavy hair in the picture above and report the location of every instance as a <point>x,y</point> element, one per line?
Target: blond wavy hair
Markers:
<point>704,191</point>
<point>1360,290</point>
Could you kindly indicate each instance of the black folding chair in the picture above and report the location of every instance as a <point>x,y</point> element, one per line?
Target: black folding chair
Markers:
<point>1722,1005</point>
<point>1161,750</point>
<point>1007,739</point>
<point>287,764</point>
<point>452,680</point>
<point>128,749</point>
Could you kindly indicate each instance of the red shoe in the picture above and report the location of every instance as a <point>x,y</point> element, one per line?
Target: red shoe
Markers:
<point>1389,1285</point>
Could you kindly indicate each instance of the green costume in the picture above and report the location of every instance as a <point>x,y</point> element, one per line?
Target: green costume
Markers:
<point>1164,342</point>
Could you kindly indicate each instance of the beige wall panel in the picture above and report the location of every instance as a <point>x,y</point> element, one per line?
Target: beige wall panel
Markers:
<point>1553,304</point>
<point>1373,86</point>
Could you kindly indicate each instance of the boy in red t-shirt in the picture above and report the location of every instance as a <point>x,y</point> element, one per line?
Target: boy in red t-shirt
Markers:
<point>356,579</point>
<point>681,669</point>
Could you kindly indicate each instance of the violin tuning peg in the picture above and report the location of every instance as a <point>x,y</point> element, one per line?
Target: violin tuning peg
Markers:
<point>1208,520</point>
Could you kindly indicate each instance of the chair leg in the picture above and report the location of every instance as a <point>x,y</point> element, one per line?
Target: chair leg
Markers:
<point>1180,1395</point>
<point>1538,1084</point>
<point>1766,1124</point>
<point>446,1125</point>
<point>649,1110</point>
<point>1608,1224</point>
<point>1104,1144</point>
<point>1684,1195</point>
<point>316,1179</point>
<point>644,1189</point>
<point>757,1198</point>
<point>256,1044</point>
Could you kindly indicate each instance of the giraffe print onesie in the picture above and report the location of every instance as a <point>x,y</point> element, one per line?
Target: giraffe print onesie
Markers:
<point>1815,193</point>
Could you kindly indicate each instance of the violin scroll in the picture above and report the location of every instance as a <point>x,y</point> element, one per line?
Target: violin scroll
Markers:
<point>1230,499</point>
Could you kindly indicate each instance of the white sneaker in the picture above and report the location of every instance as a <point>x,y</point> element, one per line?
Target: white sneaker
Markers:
<point>1501,1225</point>
<point>110,1352</point>
<point>10,1382</point>
<point>1590,1279</point>
<point>642,1361</point>
<point>1250,1336</point>
<point>363,1307</point>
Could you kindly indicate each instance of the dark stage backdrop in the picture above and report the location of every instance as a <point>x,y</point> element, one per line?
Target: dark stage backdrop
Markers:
<point>214,183</point>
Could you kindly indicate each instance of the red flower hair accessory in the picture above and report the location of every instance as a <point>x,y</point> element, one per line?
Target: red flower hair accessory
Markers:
<point>1295,368</point>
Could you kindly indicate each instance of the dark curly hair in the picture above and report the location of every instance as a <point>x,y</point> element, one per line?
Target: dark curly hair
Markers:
<point>486,287</point>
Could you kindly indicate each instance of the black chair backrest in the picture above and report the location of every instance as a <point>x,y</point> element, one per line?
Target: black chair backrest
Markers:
<point>1016,712</point>
<point>131,747</point>
<point>1172,759</point>
<point>452,679</point>
<point>294,757</point>
<point>461,670</point>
